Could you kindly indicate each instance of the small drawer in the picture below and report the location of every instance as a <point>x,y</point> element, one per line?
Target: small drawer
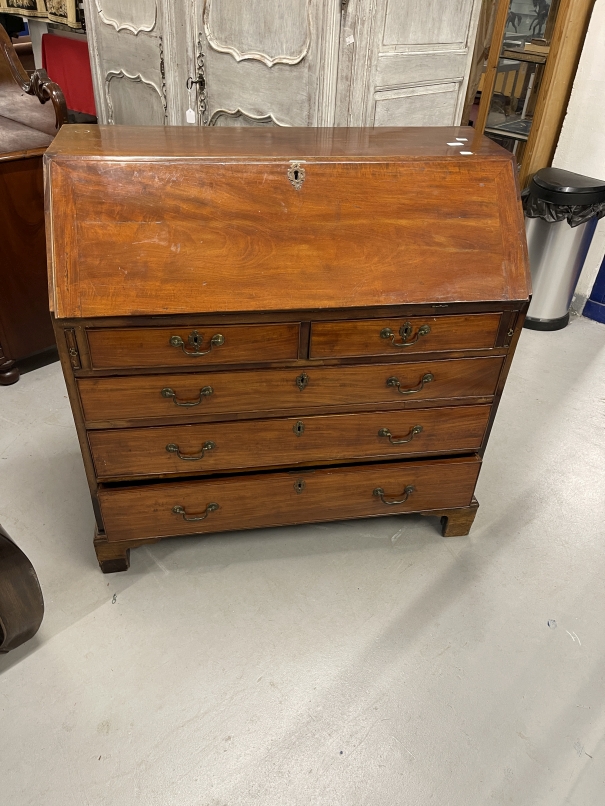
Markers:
<point>405,336</point>
<point>211,447</point>
<point>113,348</point>
<point>277,499</point>
<point>143,397</point>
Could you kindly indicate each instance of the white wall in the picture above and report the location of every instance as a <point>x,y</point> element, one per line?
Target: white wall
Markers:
<point>581,146</point>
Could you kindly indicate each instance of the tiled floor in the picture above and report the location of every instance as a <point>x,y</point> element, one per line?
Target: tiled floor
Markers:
<point>369,662</point>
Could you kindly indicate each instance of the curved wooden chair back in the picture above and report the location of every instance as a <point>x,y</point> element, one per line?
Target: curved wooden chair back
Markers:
<point>23,98</point>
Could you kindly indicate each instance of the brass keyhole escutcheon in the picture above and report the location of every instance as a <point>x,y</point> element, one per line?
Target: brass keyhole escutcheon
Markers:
<point>299,428</point>
<point>299,485</point>
<point>296,175</point>
<point>302,381</point>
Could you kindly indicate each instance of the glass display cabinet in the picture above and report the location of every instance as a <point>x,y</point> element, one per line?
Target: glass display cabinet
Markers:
<point>528,76</point>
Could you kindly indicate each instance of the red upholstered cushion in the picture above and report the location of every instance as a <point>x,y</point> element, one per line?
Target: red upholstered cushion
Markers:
<point>67,63</point>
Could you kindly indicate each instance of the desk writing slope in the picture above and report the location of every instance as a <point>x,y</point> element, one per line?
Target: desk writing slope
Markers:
<point>215,220</point>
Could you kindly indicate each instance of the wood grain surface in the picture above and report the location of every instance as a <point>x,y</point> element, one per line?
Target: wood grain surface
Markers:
<point>142,452</point>
<point>247,502</point>
<point>25,325</point>
<point>151,347</point>
<point>197,142</point>
<point>363,337</point>
<point>140,397</point>
<point>208,234</point>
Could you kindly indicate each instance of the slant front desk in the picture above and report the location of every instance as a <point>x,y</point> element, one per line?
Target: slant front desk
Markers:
<point>266,326</point>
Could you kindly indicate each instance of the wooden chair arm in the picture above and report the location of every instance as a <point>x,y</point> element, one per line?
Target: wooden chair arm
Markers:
<point>21,602</point>
<point>38,84</point>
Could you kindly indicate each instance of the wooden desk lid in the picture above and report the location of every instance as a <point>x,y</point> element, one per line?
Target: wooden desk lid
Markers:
<point>174,220</point>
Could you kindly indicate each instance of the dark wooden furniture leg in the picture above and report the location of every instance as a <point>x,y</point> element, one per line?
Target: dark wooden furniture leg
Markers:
<point>21,602</point>
<point>115,557</point>
<point>455,522</point>
<point>112,557</point>
<point>9,372</point>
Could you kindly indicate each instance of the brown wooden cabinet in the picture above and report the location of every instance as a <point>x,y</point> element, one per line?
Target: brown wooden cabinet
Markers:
<point>27,128</point>
<point>281,326</point>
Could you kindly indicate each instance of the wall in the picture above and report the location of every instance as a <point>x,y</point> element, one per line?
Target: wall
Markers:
<point>581,146</point>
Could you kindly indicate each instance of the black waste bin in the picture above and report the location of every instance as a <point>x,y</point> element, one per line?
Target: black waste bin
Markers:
<point>561,214</point>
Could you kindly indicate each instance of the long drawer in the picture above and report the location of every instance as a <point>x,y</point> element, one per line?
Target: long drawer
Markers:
<point>211,447</point>
<point>115,348</point>
<point>245,502</point>
<point>404,336</point>
<point>165,396</point>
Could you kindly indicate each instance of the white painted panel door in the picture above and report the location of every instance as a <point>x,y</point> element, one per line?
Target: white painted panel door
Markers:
<point>268,63</point>
<point>405,62</point>
<point>141,52</point>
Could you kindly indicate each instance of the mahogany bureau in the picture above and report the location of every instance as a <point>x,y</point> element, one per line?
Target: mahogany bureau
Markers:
<point>268,326</point>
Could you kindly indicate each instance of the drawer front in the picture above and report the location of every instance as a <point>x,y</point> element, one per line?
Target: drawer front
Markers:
<point>208,447</point>
<point>195,507</point>
<point>405,336</point>
<point>202,346</point>
<point>165,396</point>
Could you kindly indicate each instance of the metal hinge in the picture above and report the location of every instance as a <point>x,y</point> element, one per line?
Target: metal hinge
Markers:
<point>72,348</point>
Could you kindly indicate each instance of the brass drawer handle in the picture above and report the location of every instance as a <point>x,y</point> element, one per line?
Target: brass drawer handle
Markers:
<point>379,493</point>
<point>178,510</point>
<point>426,378</point>
<point>405,331</point>
<point>384,432</point>
<point>206,391</point>
<point>196,340</point>
<point>207,446</point>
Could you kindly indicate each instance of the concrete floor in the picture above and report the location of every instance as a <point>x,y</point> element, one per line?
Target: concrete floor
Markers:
<point>358,663</point>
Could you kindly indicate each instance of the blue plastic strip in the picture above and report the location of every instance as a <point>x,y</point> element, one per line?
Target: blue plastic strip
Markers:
<point>594,310</point>
<point>598,290</point>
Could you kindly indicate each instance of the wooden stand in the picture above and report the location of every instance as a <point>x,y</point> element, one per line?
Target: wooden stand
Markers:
<point>456,522</point>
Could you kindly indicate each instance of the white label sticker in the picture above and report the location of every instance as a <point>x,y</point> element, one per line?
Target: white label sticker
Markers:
<point>190,116</point>
<point>349,40</point>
